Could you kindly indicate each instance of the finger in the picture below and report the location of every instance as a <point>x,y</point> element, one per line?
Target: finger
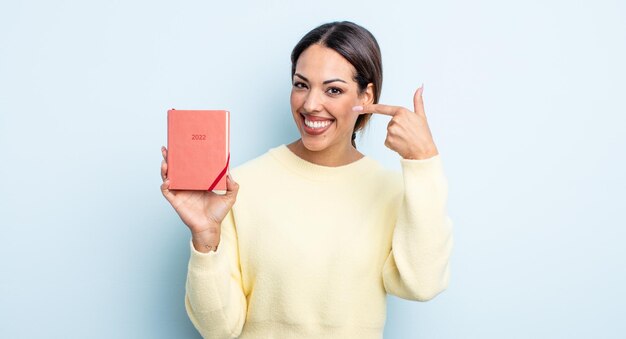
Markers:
<point>164,152</point>
<point>166,191</point>
<point>163,169</point>
<point>378,108</point>
<point>418,101</point>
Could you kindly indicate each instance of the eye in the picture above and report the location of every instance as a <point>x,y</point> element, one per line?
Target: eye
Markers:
<point>335,90</point>
<point>299,84</point>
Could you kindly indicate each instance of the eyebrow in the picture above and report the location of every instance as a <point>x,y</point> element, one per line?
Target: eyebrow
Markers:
<point>325,82</point>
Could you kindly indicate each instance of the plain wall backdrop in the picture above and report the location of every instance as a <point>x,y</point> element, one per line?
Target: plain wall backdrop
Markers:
<point>525,101</point>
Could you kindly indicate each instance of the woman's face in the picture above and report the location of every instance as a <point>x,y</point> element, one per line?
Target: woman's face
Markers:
<point>323,93</point>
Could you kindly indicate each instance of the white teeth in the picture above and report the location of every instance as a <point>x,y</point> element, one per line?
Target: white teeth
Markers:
<point>317,124</point>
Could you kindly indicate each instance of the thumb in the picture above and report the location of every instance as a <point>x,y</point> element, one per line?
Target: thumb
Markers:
<point>418,102</point>
<point>231,187</point>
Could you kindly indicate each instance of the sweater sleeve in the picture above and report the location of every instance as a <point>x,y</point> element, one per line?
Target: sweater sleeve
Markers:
<point>418,265</point>
<point>214,297</point>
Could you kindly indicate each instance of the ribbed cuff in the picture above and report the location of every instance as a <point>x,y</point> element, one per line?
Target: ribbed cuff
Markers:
<point>425,184</point>
<point>213,261</point>
<point>433,164</point>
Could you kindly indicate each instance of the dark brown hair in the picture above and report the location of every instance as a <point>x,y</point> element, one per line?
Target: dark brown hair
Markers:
<point>357,45</point>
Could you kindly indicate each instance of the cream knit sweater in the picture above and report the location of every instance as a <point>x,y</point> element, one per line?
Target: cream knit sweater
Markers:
<point>310,251</point>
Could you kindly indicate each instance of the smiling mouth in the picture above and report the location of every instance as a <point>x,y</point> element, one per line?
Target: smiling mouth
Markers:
<point>313,121</point>
<point>316,125</point>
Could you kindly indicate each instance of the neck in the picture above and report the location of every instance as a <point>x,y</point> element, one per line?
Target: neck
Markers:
<point>332,156</point>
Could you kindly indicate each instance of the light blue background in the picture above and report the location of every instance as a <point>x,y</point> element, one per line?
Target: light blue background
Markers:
<point>525,101</point>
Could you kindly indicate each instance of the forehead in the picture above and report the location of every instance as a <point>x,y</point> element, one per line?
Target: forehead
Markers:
<point>319,63</point>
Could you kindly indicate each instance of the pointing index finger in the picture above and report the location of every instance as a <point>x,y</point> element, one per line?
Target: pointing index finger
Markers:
<point>377,108</point>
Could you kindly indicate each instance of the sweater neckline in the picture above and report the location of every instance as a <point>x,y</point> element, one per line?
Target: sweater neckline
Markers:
<point>314,171</point>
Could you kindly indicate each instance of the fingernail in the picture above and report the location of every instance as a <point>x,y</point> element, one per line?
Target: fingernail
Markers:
<point>422,91</point>
<point>357,108</point>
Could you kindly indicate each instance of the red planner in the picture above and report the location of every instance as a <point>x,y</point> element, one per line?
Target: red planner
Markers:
<point>198,149</point>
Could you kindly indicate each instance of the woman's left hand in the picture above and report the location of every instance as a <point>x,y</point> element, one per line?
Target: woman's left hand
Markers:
<point>407,132</point>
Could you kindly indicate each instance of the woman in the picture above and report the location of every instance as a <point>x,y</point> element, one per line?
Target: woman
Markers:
<point>319,232</point>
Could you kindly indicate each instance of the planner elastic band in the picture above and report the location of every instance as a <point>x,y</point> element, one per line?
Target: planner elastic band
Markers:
<point>219,177</point>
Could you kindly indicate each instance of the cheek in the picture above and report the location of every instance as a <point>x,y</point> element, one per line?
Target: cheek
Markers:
<point>291,98</point>
<point>296,99</point>
<point>342,110</point>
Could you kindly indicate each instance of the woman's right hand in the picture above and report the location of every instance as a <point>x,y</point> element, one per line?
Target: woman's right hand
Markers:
<point>202,211</point>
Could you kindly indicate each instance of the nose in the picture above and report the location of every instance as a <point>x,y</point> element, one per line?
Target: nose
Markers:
<point>313,102</point>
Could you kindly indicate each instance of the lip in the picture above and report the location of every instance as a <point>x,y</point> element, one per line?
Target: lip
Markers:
<point>315,131</point>
<point>315,118</point>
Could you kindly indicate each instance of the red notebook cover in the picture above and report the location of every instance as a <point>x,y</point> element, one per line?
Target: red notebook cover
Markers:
<point>198,149</point>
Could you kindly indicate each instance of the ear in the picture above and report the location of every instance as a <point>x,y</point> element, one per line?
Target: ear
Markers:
<point>367,97</point>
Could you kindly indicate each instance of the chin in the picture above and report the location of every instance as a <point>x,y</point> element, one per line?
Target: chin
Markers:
<point>314,144</point>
